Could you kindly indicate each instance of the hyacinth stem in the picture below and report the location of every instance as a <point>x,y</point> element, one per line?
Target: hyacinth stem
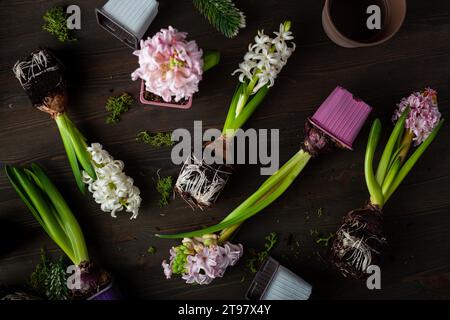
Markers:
<point>392,173</point>
<point>232,109</point>
<point>269,191</point>
<point>50,210</point>
<point>245,94</point>
<point>276,177</point>
<point>76,149</point>
<point>406,145</point>
<point>386,157</point>
<point>409,164</point>
<point>234,122</point>
<point>248,110</point>
<point>227,233</point>
<point>376,195</point>
<point>210,60</point>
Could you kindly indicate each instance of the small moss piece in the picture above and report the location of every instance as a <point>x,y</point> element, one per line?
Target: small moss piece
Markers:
<point>159,139</point>
<point>56,24</point>
<point>118,105</point>
<point>151,250</point>
<point>254,263</point>
<point>325,240</point>
<point>319,212</point>
<point>164,187</point>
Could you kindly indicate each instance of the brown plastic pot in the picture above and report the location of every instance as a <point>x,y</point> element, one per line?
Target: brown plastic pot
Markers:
<point>394,18</point>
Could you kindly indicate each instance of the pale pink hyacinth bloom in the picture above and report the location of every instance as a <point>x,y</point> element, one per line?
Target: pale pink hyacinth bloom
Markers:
<point>170,66</point>
<point>168,266</point>
<point>207,262</point>
<point>424,114</point>
<point>212,262</point>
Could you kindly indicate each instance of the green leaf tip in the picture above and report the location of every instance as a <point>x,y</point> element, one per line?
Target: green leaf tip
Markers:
<point>210,60</point>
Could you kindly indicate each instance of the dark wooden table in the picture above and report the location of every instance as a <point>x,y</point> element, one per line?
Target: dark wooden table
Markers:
<point>417,219</point>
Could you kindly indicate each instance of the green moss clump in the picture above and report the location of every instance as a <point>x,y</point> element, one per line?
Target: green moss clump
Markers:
<point>117,106</point>
<point>164,187</point>
<point>56,24</point>
<point>258,257</point>
<point>159,139</point>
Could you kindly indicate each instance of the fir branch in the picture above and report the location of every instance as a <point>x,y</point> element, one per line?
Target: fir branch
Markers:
<point>159,139</point>
<point>118,105</point>
<point>56,282</point>
<point>49,279</point>
<point>56,24</point>
<point>223,15</point>
<point>39,275</point>
<point>254,263</point>
<point>164,187</point>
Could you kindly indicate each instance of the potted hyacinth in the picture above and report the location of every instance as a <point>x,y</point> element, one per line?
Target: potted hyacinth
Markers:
<point>51,211</point>
<point>359,239</point>
<point>200,182</point>
<point>41,76</point>
<point>171,68</point>
<point>205,254</point>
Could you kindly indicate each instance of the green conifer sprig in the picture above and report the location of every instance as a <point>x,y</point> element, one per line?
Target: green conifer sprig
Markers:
<point>223,15</point>
<point>49,279</point>
<point>56,281</point>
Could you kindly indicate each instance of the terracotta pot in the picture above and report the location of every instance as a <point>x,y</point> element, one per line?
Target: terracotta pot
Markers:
<point>162,104</point>
<point>395,12</point>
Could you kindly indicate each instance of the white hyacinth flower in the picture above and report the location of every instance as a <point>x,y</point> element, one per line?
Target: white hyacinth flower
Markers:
<point>266,57</point>
<point>112,189</point>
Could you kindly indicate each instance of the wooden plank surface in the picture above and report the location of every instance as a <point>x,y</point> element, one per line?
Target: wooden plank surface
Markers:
<point>417,219</point>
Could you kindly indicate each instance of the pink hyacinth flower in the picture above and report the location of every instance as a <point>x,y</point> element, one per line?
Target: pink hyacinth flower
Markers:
<point>423,116</point>
<point>170,66</point>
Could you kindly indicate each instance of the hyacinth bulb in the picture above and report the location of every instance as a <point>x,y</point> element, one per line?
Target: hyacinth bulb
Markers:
<point>199,182</point>
<point>358,242</point>
<point>92,280</point>
<point>41,76</point>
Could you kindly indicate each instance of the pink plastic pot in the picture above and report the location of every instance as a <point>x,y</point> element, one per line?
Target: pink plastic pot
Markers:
<point>162,104</point>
